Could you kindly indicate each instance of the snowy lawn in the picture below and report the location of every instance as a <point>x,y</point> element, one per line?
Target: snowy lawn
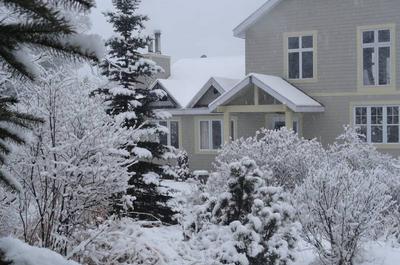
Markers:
<point>168,241</point>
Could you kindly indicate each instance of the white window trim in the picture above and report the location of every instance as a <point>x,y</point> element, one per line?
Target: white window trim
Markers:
<point>369,124</point>
<point>286,37</point>
<point>169,131</point>
<point>376,45</point>
<point>393,55</point>
<point>210,140</point>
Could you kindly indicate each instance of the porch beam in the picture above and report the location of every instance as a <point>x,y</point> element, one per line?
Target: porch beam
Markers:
<point>227,125</point>
<point>252,108</point>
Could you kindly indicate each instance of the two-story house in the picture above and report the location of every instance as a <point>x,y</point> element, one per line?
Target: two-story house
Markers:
<point>310,65</point>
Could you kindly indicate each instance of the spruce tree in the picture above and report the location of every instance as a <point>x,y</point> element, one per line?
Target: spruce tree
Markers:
<point>130,103</point>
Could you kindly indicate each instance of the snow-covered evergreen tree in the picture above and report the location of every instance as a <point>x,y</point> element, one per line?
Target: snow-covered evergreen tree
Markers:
<point>182,166</point>
<point>261,221</point>
<point>129,102</point>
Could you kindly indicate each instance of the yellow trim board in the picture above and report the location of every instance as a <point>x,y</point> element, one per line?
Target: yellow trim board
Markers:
<point>286,35</point>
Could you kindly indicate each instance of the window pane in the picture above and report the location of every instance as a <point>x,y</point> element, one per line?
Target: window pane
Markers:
<point>294,72</point>
<point>293,42</point>
<point>232,130</point>
<point>361,115</point>
<point>278,125</point>
<point>377,134</point>
<point>392,115</point>
<point>295,126</point>
<point>368,36</point>
<point>204,135</point>
<point>384,35</point>
<point>308,64</point>
<point>174,132</point>
<point>393,134</point>
<point>164,136</point>
<point>376,115</point>
<point>307,41</point>
<point>216,134</point>
<point>369,66</point>
<point>384,65</point>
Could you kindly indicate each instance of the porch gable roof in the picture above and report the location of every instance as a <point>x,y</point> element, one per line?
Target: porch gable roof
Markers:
<point>289,95</point>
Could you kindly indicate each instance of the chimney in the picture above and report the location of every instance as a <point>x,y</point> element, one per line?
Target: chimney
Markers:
<point>157,37</point>
<point>151,46</point>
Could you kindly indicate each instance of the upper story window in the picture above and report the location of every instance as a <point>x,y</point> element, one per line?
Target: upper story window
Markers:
<point>376,55</point>
<point>301,56</point>
<point>171,138</point>
<point>379,124</point>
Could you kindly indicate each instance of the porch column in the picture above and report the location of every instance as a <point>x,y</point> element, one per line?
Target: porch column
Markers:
<point>289,119</point>
<point>227,126</point>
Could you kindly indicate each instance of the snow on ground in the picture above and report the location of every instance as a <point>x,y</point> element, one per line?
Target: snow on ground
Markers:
<point>22,254</point>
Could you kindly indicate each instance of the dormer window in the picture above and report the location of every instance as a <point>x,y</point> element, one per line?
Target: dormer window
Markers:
<point>301,58</point>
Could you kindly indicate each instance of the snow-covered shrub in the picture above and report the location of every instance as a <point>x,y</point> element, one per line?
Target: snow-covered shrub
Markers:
<point>338,207</point>
<point>118,241</point>
<point>262,226</point>
<point>282,151</point>
<point>71,167</point>
<point>351,149</point>
<point>15,252</point>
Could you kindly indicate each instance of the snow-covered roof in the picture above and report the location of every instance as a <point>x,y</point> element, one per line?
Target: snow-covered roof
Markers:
<point>189,76</point>
<point>240,31</point>
<point>201,69</point>
<point>278,88</point>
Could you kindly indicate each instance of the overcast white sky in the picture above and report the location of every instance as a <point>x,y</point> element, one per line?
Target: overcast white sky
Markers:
<point>189,28</point>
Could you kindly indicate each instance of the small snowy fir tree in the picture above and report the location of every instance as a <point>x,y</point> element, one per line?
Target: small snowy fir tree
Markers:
<point>182,167</point>
<point>261,221</point>
<point>339,207</point>
<point>129,102</point>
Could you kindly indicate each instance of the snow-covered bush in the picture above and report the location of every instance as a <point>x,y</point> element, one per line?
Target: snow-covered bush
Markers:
<point>119,241</point>
<point>339,206</point>
<point>261,222</point>
<point>15,252</point>
<point>71,167</point>
<point>282,151</point>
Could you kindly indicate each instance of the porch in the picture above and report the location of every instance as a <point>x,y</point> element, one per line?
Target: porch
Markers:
<point>278,101</point>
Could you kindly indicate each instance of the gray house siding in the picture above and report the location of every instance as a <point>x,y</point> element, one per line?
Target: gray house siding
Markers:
<point>336,23</point>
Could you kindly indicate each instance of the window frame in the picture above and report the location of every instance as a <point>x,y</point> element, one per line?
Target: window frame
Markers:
<point>300,50</point>
<point>169,129</point>
<point>210,134</point>
<point>384,123</point>
<point>376,87</point>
